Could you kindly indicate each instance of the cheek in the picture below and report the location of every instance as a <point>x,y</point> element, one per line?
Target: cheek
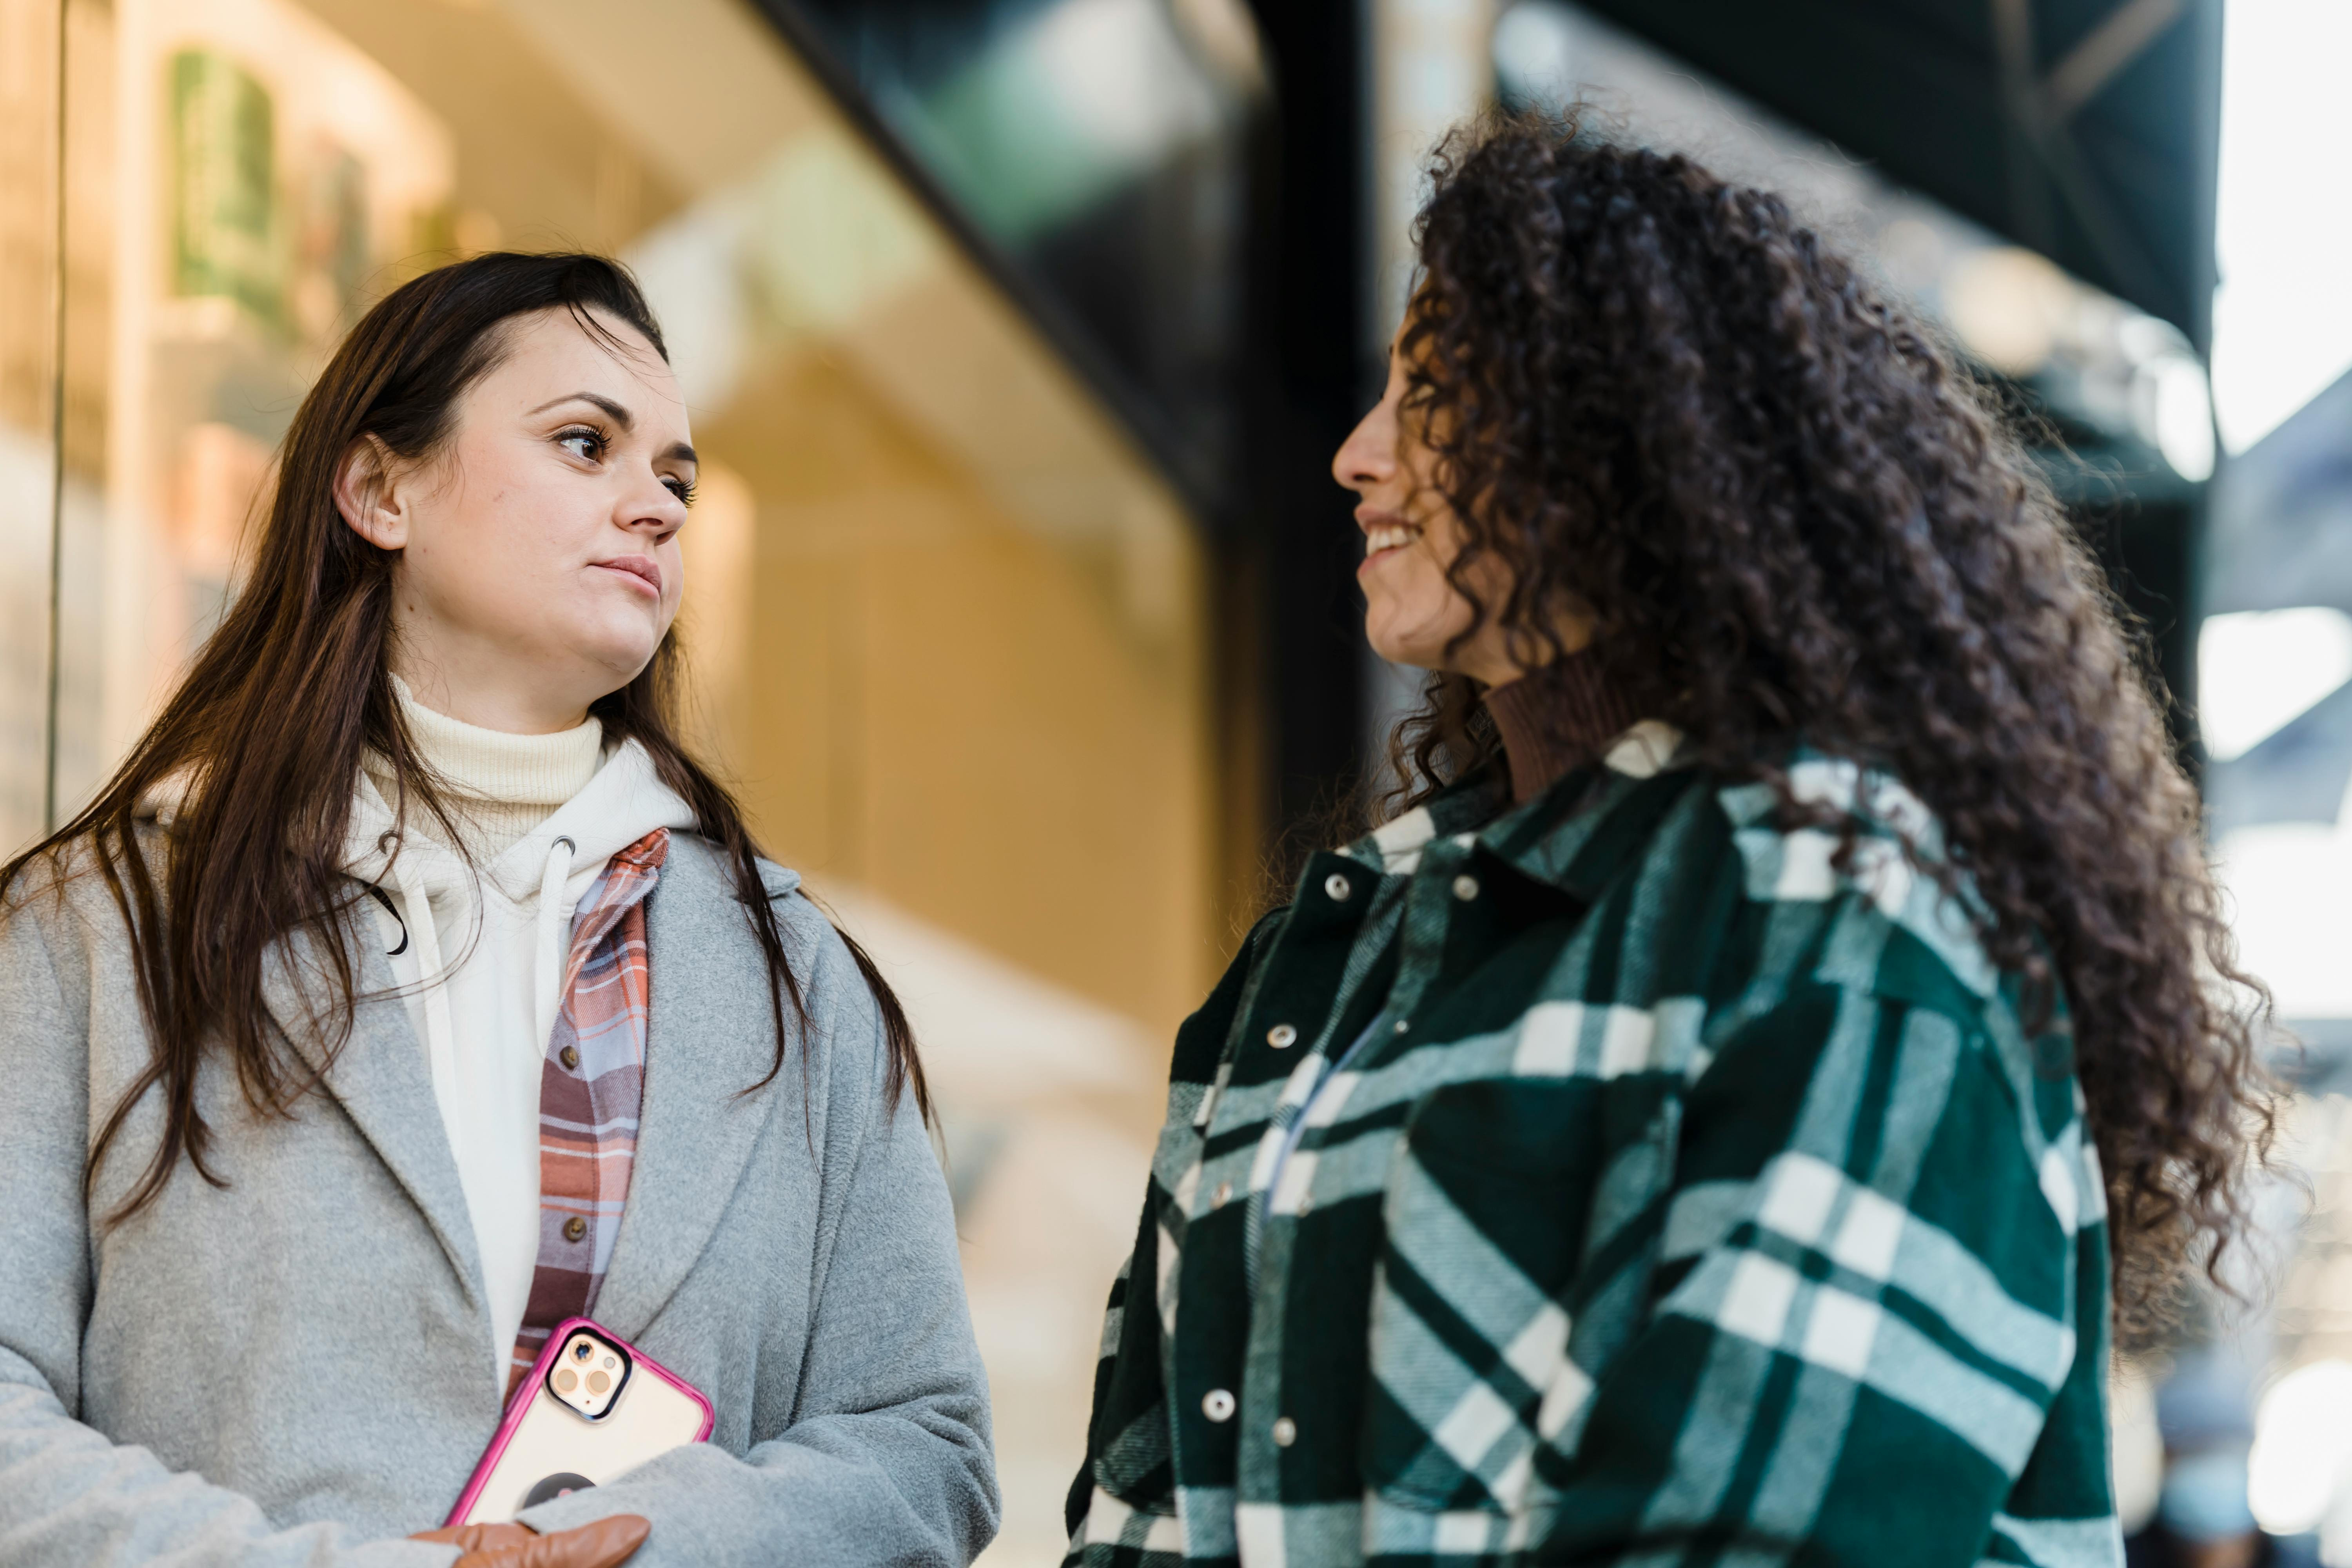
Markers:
<point>522,503</point>
<point>485,519</point>
<point>496,547</point>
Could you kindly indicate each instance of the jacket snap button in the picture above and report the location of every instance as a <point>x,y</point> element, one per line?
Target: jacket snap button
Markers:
<point>1217,1405</point>
<point>569,1057</point>
<point>1465,888</point>
<point>1337,888</point>
<point>1286,1433</point>
<point>1400,1025</point>
<point>575,1229</point>
<point>1281,1036</point>
<point>1224,1191</point>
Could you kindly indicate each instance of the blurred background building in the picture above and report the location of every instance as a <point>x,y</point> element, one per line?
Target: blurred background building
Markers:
<point>1018,335</point>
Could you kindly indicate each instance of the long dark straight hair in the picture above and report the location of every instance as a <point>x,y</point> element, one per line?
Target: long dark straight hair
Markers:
<point>262,741</point>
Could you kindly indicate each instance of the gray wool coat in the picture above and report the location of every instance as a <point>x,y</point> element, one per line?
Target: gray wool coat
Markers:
<point>296,1368</point>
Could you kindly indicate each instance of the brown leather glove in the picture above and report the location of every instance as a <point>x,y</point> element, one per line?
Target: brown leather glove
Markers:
<point>605,1543</point>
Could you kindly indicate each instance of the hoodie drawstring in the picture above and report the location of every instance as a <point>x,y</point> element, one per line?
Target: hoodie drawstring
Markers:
<point>551,950</point>
<point>440,1032</point>
<point>546,960</point>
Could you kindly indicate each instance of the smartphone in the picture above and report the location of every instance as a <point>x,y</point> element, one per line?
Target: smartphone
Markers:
<point>594,1406</point>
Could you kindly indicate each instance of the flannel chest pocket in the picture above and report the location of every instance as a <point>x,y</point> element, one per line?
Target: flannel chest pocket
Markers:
<point>1484,1219</point>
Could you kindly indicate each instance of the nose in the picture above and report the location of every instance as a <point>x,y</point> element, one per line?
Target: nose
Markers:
<point>651,507</point>
<point>1368,457</point>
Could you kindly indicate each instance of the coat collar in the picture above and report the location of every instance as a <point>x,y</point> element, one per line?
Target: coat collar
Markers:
<point>697,1128</point>
<point>1571,836</point>
<point>380,1077</point>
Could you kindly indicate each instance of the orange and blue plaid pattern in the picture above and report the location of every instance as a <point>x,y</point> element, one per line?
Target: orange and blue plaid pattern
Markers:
<point>592,1086</point>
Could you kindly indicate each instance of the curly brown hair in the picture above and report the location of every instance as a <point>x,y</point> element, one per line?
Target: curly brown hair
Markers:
<point>1661,403</point>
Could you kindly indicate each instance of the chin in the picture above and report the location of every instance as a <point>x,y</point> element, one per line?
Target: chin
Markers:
<point>1388,649</point>
<point>623,658</point>
<point>1403,650</point>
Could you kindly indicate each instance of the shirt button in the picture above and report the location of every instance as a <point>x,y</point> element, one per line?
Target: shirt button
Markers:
<point>1217,1405</point>
<point>1465,888</point>
<point>1286,1433</point>
<point>1224,1191</point>
<point>1337,888</point>
<point>569,1057</point>
<point>1282,1036</point>
<point>575,1229</point>
<point>1400,1025</point>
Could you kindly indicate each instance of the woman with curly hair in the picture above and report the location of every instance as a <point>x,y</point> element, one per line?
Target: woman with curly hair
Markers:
<point>1785,1015</point>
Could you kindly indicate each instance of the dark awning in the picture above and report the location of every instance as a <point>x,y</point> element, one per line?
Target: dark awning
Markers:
<point>2086,130</point>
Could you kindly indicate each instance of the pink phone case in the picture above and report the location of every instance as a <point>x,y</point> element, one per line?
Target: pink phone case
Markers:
<point>543,1443</point>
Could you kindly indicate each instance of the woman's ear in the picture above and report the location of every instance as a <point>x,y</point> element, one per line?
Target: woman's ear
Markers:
<point>369,494</point>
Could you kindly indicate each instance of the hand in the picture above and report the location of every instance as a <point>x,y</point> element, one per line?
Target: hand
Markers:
<point>605,1543</point>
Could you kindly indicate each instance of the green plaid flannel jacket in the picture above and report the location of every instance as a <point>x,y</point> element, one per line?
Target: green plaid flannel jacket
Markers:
<point>1618,1180</point>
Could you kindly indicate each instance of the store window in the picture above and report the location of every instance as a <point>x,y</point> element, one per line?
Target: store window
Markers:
<point>947,624</point>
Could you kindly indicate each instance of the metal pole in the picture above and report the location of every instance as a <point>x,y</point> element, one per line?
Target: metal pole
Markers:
<point>56,456</point>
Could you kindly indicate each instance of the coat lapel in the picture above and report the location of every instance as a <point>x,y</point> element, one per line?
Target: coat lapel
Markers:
<point>697,1128</point>
<point>381,1080</point>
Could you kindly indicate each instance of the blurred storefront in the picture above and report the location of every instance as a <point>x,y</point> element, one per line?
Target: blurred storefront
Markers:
<point>949,620</point>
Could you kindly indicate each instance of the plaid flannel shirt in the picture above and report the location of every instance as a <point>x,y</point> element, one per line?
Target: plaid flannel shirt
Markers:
<point>1617,1180</point>
<point>592,1088</point>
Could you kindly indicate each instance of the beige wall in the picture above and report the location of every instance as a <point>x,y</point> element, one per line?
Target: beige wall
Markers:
<point>941,706</point>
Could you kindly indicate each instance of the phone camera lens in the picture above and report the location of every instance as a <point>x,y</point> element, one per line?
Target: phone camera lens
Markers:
<point>582,1351</point>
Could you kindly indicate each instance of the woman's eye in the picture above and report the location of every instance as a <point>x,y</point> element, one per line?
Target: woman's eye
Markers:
<point>683,490</point>
<point>586,444</point>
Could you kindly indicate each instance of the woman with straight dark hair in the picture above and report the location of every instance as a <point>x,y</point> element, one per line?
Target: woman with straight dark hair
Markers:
<point>1710,1119</point>
<point>411,989</point>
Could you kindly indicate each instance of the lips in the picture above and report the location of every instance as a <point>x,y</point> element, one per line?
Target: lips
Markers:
<point>641,567</point>
<point>1384,534</point>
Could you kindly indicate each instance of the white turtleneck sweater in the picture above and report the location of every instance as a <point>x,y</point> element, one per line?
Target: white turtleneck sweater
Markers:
<point>480,937</point>
<point>504,785</point>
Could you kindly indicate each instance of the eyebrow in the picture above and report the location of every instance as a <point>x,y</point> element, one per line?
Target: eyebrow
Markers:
<point>679,452</point>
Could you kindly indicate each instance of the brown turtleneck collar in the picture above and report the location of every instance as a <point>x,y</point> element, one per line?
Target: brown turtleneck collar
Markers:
<point>1555,718</point>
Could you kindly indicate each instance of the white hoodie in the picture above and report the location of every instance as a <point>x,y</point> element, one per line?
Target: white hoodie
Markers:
<point>479,955</point>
